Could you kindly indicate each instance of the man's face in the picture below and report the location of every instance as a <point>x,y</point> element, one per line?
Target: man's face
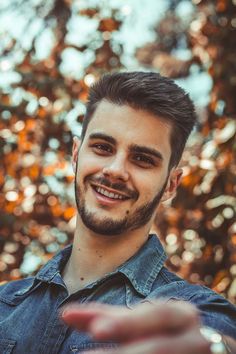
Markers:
<point>121,169</point>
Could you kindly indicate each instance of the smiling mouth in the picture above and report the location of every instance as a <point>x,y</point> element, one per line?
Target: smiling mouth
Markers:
<point>109,194</point>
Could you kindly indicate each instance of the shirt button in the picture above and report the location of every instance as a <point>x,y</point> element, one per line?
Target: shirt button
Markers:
<point>73,348</point>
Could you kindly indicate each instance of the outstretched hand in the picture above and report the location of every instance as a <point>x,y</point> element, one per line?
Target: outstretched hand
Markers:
<point>170,328</point>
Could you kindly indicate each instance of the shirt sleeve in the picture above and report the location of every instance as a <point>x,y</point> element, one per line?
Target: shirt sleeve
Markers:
<point>216,312</point>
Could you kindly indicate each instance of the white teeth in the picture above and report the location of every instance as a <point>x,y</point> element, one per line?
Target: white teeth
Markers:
<point>109,194</point>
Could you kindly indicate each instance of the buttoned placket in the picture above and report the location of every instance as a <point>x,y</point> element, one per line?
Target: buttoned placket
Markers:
<point>56,330</point>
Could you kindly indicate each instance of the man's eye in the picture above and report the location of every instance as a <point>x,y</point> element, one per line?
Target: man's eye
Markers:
<point>102,148</point>
<point>144,160</point>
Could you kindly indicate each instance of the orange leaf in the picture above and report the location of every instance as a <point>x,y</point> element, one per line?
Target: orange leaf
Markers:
<point>69,213</point>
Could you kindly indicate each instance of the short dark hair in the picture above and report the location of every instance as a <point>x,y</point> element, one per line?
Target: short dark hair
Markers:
<point>151,92</point>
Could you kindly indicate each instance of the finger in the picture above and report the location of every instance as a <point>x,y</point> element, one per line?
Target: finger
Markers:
<point>81,316</point>
<point>120,324</point>
<point>145,320</point>
<point>190,343</point>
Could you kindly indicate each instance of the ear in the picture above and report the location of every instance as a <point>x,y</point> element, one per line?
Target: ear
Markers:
<point>172,184</point>
<point>75,151</point>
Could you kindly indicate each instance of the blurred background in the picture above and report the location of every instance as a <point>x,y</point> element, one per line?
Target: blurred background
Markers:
<point>51,51</point>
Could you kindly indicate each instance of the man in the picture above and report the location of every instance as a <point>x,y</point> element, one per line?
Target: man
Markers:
<point>133,135</point>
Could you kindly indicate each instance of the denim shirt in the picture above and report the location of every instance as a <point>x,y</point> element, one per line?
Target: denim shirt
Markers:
<point>29,308</point>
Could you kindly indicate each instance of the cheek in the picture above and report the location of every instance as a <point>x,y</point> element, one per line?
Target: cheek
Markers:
<point>149,184</point>
<point>88,165</point>
<point>144,187</point>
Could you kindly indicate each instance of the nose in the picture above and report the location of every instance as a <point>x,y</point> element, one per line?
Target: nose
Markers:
<point>116,169</point>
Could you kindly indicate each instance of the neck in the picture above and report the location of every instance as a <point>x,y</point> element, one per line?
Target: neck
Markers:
<point>95,255</point>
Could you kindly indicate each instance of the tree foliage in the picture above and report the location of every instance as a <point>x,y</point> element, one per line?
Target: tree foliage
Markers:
<point>199,229</point>
<point>43,106</point>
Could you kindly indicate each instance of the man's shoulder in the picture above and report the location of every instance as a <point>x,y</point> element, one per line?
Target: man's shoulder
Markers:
<point>171,286</point>
<point>12,289</point>
<point>215,310</point>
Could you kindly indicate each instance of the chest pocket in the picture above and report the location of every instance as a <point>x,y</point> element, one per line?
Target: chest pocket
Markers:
<point>11,297</point>
<point>6,346</point>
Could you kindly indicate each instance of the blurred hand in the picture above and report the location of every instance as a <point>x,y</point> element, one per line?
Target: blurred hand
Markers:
<point>159,328</point>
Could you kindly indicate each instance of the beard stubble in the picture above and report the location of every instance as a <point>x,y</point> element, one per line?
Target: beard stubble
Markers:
<point>110,227</point>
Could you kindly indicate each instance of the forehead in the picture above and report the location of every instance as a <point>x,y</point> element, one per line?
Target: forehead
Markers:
<point>129,125</point>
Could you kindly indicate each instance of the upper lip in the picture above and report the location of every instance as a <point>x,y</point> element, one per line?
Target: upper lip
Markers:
<point>110,190</point>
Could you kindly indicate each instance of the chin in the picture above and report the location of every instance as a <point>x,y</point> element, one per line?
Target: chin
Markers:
<point>104,226</point>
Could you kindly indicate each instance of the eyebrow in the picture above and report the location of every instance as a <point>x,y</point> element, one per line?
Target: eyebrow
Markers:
<point>103,136</point>
<point>146,150</point>
<point>133,148</point>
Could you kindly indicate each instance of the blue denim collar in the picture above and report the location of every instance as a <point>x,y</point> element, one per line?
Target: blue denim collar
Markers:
<point>141,269</point>
<point>55,265</point>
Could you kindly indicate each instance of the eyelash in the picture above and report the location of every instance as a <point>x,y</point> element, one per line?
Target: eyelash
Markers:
<point>142,159</point>
<point>139,159</point>
<point>102,148</point>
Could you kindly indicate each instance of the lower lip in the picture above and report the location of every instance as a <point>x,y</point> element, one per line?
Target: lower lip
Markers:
<point>106,200</point>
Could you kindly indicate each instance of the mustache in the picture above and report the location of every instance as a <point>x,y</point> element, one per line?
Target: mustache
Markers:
<point>120,187</point>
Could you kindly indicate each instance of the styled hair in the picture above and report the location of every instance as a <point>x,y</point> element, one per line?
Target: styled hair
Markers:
<point>151,92</point>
